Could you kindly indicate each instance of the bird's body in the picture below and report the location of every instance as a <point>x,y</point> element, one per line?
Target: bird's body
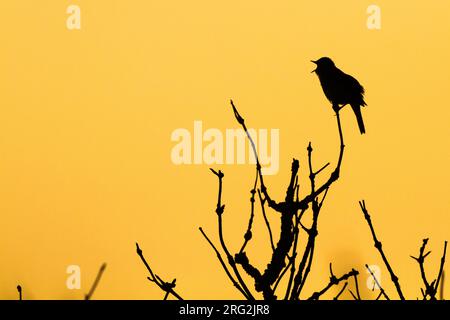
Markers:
<point>341,88</point>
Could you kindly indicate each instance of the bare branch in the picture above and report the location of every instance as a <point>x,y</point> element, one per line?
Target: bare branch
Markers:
<point>220,210</point>
<point>294,253</point>
<point>164,286</point>
<point>88,296</point>
<point>379,247</point>
<point>171,285</point>
<point>430,288</point>
<point>277,263</point>
<point>357,287</point>
<point>290,263</point>
<point>340,292</point>
<point>262,201</point>
<point>441,270</point>
<point>333,281</point>
<point>334,175</point>
<point>421,260</point>
<point>382,292</point>
<point>241,121</point>
<point>248,233</point>
<point>224,266</point>
<point>19,290</point>
<point>306,261</point>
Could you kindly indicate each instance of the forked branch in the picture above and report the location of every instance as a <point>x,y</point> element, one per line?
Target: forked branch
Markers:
<point>333,281</point>
<point>431,289</point>
<point>167,287</point>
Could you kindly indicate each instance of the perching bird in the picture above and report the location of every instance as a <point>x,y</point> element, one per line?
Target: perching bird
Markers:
<point>341,88</point>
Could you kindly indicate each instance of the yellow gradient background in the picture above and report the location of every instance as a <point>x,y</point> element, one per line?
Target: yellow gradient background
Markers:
<point>86,118</point>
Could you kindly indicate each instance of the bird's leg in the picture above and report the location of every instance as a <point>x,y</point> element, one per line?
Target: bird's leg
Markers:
<point>342,106</point>
<point>336,108</point>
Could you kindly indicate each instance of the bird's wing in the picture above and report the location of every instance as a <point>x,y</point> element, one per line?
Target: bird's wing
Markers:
<point>355,89</point>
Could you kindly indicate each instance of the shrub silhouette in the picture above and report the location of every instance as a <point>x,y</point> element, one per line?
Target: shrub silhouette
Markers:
<point>288,260</point>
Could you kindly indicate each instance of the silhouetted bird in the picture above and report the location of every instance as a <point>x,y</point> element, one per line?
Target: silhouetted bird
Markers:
<point>341,88</point>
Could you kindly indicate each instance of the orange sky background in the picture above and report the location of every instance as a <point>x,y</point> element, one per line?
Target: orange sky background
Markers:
<point>86,118</point>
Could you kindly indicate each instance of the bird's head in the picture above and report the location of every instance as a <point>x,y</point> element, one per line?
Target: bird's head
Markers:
<point>323,64</point>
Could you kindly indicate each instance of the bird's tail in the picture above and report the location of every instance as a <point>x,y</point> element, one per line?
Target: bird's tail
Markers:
<point>359,118</point>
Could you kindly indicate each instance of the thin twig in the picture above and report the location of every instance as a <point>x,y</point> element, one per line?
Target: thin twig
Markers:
<point>316,206</point>
<point>88,296</point>
<point>421,260</point>
<point>224,266</point>
<point>294,253</point>
<point>382,292</point>
<point>379,295</point>
<point>334,175</point>
<point>340,292</point>
<point>241,121</point>
<point>264,281</point>
<point>333,281</point>
<point>277,263</point>
<point>262,201</point>
<point>19,290</point>
<point>219,210</point>
<point>441,270</point>
<point>248,233</point>
<point>287,236</point>
<point>312,233</point>
<point>353,295</point>
<point>165,286</point>
<point>323,197</point>
<point>290,263</point>
<point>172,284</point>
<point>309,263</point>
<point>431,289</point>
<point>306,260</point>
<point>378,245</point>
<point>357,287</point>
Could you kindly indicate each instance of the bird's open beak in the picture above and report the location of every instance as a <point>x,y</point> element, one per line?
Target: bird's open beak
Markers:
<point>315,62</point>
